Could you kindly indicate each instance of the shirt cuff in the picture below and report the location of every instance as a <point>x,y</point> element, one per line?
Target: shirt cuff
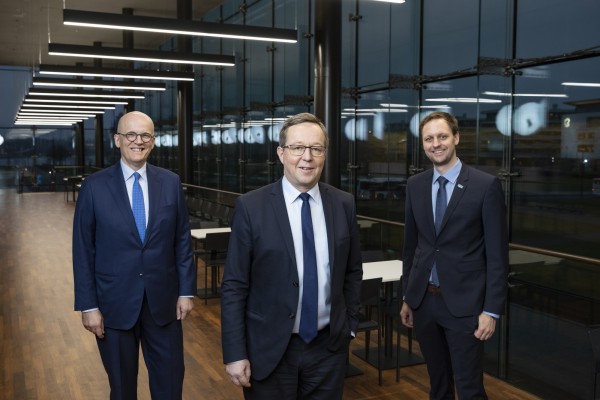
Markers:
<point>496,316</point>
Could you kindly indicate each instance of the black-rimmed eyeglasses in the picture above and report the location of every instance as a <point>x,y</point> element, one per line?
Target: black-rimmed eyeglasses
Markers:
<point>298,150</point>
<point>132,136</point>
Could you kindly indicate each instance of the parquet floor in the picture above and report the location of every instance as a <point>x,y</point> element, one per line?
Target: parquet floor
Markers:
<point>46,354</point>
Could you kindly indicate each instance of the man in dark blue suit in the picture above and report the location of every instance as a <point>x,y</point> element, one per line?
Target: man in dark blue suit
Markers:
<point>455,262</point>
<point>134,275</point>
<point>265,289</point>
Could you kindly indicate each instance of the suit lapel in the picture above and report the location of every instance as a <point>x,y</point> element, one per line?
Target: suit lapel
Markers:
<point>116,186</point>
<point>329,224</point>
<point>154,189</point>
<point>281,215</point>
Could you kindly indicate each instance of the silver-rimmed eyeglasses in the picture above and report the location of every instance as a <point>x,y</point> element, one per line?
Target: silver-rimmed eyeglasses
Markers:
<point>298,150</point>
<point>132,136</point>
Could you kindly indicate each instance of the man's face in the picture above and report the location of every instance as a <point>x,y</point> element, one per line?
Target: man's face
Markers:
<point>303,171</point>
<point>135,153</point>
<point>439,144</point>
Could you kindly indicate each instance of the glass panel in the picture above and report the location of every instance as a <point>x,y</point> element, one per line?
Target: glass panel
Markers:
<point>555,27</point>
<point>450,36</point>
<point>554,301</point>
<point>556,154</point>
<point>373,42</point>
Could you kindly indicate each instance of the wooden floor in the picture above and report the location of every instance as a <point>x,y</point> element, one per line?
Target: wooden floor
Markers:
<point>46,354</point>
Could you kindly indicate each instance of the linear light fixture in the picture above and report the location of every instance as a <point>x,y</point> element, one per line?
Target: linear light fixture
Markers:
<point>582,84</point>
<point>67,70</point>
<point>45,123</point>
<point>59,111</point>
<point>177,27</point>
<point>113,94</point>
<point>73,100</point>
<point>47,114</point>
<point>116,53</point>
<point>68,106</point>
<point>391,1</point>
<point>98,83</point>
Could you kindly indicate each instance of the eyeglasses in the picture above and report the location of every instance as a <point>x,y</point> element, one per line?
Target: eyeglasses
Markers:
<point>132,136</point>
<point>298,150</point>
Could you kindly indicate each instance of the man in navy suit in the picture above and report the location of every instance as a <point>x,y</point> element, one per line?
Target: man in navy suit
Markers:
<point>264,286</point>
<point>134,277</point>
<point>455,268</point>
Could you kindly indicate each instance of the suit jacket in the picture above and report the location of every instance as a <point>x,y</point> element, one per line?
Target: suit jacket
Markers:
<point>112,268</point>
<point>470,251</point>
<point>260,288</point>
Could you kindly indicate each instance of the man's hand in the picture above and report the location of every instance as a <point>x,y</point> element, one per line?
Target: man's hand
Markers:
<point>93,322</point>
<point>407,316</point>
<point>184,306</point>
<point>239,372</point>
<point>486,328</point>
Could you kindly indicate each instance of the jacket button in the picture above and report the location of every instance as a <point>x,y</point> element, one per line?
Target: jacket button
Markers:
<point>141,274</point>
<point>292,315</point>
<point>295,284</point>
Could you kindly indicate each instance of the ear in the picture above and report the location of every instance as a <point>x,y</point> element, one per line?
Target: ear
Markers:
<point>117,141</point>
<point>456,138</point>
<point>280,153</point>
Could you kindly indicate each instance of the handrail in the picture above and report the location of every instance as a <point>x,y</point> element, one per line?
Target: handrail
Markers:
<point>558,254</point>
<point>210,189</point>
<point>513,246</point>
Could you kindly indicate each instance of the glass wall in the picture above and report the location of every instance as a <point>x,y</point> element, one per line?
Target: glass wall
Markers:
<point>522,79</point>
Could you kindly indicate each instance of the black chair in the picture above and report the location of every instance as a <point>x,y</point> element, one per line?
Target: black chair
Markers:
<point>213,254</point>
<point>594,335</point>
<point>370,302</point>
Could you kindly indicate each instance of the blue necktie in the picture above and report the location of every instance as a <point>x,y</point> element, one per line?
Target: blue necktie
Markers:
<point>139,211</point>
<point>440,209</point>
<point>310,291</point>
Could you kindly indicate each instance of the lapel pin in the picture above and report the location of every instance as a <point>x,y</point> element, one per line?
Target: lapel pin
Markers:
<point>460,186</point>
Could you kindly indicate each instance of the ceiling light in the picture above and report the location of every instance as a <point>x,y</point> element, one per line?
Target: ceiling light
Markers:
<point>87,107</point>
<point>73,100</point>
<point>115,73</point>
<point>392,1</point>
<point>59,111</point>
<point>177,26</point>
<point>47,114</point>
<point>45,123</point>
<point>98,83</point>
<point>582,84</point>
<point>73,50</point>
<point>465,100</point>
<point>86,93</point>
<point>503,94</point>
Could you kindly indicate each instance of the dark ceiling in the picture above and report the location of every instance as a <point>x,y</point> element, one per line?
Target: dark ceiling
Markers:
<point>27,26</point>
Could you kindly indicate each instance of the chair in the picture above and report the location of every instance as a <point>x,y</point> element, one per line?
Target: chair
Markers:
<point>370,300</point>
<point>594,335</point>
<point>213,254</point>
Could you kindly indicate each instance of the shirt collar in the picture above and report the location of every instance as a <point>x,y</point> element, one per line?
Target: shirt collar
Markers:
<point>452,174</point>
<point>290,193</point>
<point>128,171</point>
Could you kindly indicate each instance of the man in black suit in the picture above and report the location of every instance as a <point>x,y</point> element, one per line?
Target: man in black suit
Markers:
<point>456,265</point>
<point>265,291</point>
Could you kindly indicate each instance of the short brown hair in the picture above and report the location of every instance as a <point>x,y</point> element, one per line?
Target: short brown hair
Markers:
<point>300,119</point>
<point>449,118</point>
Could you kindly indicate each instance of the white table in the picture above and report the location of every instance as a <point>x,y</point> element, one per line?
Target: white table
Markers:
<point>388,271</point>
<point>200,234</point>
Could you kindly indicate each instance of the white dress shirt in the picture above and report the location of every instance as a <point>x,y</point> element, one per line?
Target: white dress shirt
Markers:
<point>294,208</point>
